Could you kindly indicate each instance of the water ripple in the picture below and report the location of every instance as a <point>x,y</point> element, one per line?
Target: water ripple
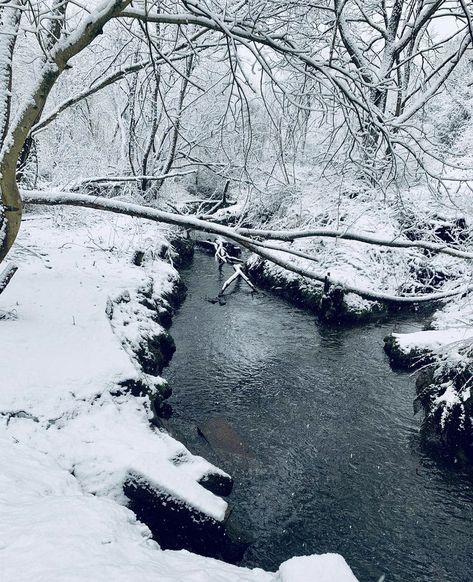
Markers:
<point>338,465</point>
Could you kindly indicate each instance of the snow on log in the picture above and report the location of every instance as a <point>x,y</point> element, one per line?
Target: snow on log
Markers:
<point>101,179</point>
<point>292,235</point>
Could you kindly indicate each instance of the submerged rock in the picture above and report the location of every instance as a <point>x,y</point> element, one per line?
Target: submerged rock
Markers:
<point>222,437</point>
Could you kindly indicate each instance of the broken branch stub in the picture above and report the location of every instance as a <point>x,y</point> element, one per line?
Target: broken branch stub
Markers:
<point>6,276</point>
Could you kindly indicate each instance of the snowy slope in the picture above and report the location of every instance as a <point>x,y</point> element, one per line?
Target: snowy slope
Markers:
<point>50,530</point>
<point>452,328</point>
<point>69,437</point>
<point>64,361</point>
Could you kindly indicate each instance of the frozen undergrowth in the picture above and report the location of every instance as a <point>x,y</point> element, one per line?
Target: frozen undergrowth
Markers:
<point>69,432</point>
<point>316,204</point>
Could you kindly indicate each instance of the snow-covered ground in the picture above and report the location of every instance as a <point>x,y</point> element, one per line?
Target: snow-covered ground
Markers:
<point>70,434</point>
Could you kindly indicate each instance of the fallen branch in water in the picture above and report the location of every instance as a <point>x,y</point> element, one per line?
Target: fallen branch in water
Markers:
<point>222,257</point>
<point>238,274</point>
<point>263,249</point>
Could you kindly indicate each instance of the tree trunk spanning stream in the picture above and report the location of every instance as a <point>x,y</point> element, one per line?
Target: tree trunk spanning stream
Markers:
<point>318,433</point>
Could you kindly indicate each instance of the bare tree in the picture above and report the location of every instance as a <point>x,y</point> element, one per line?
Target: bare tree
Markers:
<point>371,67</point>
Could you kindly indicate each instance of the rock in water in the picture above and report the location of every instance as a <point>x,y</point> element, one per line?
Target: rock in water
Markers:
<point>223,438</point>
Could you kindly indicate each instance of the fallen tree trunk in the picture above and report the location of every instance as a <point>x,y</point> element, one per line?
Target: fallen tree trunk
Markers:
<point>262,249</point>
<point>100,179</point>
<point>292,235</point>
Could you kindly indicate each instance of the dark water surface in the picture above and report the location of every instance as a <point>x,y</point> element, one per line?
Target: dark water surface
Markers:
<point>333,460</point>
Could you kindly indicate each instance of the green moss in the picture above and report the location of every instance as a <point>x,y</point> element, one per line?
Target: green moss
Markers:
<point>331,308</point>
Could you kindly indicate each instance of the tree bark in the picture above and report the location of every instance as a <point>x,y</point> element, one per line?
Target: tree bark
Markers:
<point>6,276</point>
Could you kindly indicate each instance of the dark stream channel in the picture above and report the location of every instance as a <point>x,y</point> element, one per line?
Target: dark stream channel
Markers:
<point>332,460</point>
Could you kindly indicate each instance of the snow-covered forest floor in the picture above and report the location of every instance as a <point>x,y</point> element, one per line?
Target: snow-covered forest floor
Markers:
<point>70,431</point>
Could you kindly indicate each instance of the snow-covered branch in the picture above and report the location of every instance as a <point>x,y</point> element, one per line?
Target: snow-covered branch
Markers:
<point>222,256</point>
<point>111,179</point>
<point>292,235</point>
<point>95,88</point>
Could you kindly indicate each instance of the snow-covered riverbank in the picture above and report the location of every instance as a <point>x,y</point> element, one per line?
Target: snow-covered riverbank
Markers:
<point>380,271</point>
<point>71,433</point>
<point>444,386</point>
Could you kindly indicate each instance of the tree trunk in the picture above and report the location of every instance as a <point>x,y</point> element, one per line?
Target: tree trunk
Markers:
<point>12,212</point>
<point>16,137</point>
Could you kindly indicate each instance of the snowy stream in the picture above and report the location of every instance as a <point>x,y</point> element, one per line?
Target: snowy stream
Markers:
<point>328,457</point>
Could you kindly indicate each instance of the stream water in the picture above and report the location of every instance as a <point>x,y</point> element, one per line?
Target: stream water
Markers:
<point>331,459</point>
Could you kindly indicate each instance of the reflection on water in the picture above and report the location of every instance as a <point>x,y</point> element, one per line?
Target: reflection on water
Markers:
<point>336,463</point>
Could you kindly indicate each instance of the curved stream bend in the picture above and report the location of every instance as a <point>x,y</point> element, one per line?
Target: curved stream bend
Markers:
<point>327,456</point>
